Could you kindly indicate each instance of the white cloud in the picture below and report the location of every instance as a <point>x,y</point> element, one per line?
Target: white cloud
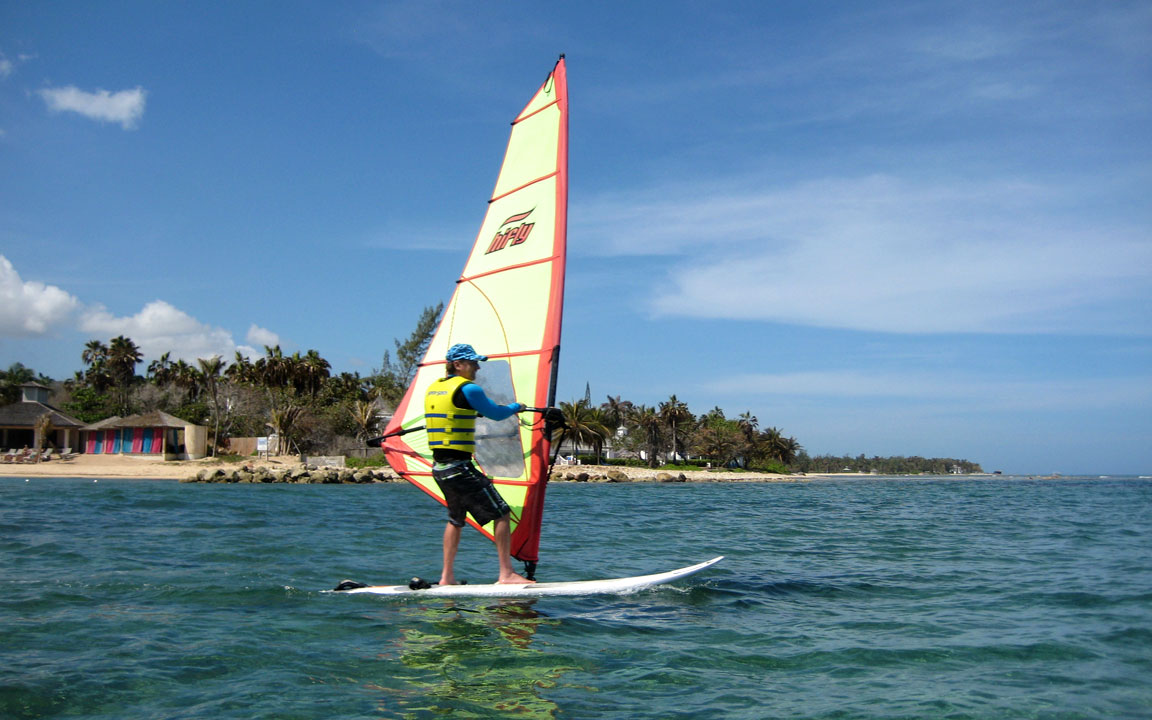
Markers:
<point>30,308</point>
<point>262,336</point>
<point>8,67</point>
<point>159,327</point>
<point>946,391</point>
<point>883,254</point>
<point>125,107</point>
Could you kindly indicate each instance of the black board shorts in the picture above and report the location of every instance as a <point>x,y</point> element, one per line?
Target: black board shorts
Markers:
<point>467,490</point>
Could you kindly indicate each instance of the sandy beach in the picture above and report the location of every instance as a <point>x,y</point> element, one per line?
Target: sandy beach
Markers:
<point>127,466</point>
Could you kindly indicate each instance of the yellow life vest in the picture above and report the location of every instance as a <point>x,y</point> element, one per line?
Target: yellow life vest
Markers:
<point>448,426</point>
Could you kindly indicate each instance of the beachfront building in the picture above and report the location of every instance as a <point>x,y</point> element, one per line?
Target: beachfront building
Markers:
<point>154,433</point>
<point>18,421</point>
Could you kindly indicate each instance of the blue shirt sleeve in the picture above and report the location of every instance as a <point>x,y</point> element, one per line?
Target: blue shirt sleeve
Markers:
<point>475,396</point>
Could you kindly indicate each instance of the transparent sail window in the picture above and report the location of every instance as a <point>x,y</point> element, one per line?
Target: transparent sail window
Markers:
<point>498,449</point>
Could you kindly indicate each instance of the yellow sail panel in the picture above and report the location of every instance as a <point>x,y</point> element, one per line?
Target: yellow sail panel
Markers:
<point>491,308</point>
<point>507,304</point>
<point>533,149</point>
<point>553,91</point>
<point>517,229</point>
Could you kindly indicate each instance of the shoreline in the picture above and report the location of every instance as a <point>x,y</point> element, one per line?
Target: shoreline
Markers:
<point>128,466</point>
<point>151,468</point>
<point>148,468</point>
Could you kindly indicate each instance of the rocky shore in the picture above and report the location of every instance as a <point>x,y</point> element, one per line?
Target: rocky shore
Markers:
<point>299,474</point>
<point>620,474</point>
<point>287,469</point>
<point>320,475</point>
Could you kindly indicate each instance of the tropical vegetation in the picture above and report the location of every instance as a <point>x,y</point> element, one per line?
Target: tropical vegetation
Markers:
<point>671,434</point>
<point>297,399</point>
<point>897,465</point>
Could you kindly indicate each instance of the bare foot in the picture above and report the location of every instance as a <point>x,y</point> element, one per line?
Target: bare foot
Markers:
<point>447,581</point>
<point>513,579</point>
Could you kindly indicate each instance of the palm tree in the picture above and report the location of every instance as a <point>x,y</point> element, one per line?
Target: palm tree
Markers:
<point>364,415</point>
<point>282,421</point>
<point>672,413</point>
<point>772,441</point>
<point>188,379</point>
<point>314,371</point>
<point>272,370</point>
<point>347,386</point>
<point>583,425</point>
<point>616,411</point>
<point>123,356</point>
<point>649,422</point>
<point>160,370</point>
<point>789,450</point>
<point>282,377</point>
<point>713,415</point>
<point>95,352</point>
<point>277,374</point>
<point>598,418</point>
<point>211,370</point>
<point>240,370</point>
<point>95,357</point>
<point>748,424</point>
<point>296,373</point>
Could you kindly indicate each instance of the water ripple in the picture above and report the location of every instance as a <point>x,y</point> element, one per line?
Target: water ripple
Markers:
<point>879,598</point>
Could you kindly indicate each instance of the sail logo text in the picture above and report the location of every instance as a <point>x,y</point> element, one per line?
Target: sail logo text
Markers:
<point>513,235</point>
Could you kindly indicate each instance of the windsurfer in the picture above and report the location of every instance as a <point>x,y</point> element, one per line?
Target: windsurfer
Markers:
<point>451,407</point>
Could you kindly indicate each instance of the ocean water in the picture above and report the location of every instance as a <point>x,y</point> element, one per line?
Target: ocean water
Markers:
<point>863,598</point>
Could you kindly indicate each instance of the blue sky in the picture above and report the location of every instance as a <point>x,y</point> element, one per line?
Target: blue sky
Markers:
<point>883,227</point>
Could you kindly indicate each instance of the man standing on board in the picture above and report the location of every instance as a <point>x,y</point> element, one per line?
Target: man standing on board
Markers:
<point>451,407</point>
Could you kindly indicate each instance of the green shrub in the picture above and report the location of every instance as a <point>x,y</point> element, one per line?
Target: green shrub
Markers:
<point>625,462</point>
<point>374,461</point>
<point>229,458</point>
<point>771,466</point>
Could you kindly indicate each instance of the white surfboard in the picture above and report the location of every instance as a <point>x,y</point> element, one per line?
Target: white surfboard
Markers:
<point>613,586</point>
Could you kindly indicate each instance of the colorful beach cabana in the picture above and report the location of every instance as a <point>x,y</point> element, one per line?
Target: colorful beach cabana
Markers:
<point>154,433</point>
<point>93,436</point>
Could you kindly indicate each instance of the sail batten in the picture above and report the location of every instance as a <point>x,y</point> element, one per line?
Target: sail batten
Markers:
<point>534,112</point>
<point>512,267</point>
<point>507,303</point>
<point>494,356</point>
<point>542,178</point>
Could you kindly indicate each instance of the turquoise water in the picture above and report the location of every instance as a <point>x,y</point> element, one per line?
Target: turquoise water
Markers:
<point>879,598</point>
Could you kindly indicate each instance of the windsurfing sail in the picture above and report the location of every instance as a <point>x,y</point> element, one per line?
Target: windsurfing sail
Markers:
<point>507,304</point>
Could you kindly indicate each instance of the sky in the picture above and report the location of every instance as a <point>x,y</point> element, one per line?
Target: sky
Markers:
<point>889,228</point>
